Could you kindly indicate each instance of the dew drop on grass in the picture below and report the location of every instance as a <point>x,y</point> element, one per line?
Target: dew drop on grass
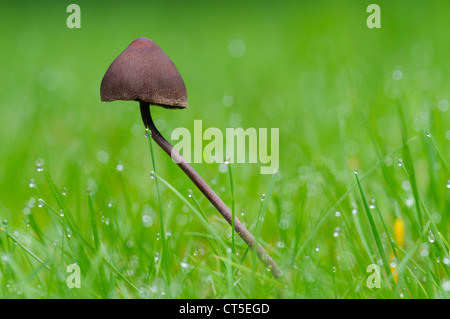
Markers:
<point>190,193</point>
<point>152,174</point>
<point>280,244</point>
<point>317,248</point>
<point>336,232</point>
<point>355,171</point>
<point>184,265</point>
<point>424,251</point>
<point>40,202</point>
<point>147,220</point>
<point>333,269</point>
<point>409,202</point>
<point>372,204</point>
<point>427,134</point>
<point>32,183</point>
<point>400,162</point>
<point>223,168</point>
<point>337,213</point>
<point>448,184</point>
<point>446,261</point>
<point>64,191</point>
<point>431,237</point>
<point>354,211</point>
<point>397,75</point>
<point>39,164</point>
<point>263,196</point>
<point>119,167</point>
<point>446,285</point>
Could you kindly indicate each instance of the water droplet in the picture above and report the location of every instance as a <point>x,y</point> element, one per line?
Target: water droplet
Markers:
<point>242,213</point>
<point>446,261</point>
<point>337,214</point>
<point>424,251</point>
<point>431,237</point>
<point>336,232</point>
<point>229,250</point>
<point>354,211</point>
<point>61,213</point>
<point>32,183</point>
<point>280,244</point>
<point>152,174</point>
<point>147,220</point>
<point>190,193</point>
<point>397,75</point>
<point>223,168</point>
<point>400,162</point>
<point>64,191</point>
<point>427,133</point>
<point>409,202</point>
<point>317,248</point>
<point>39,162</point>
<point>333,269</point>
<point>372,204</point>
<point>263,196</point>
<point>119,167</point>
<point>41,202</point>
<point>355,171</point>
<point>448,184</point>
<point>446,285</point>
<point>5,223</point>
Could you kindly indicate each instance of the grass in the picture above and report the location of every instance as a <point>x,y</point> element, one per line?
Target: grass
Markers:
<point>79,184</point>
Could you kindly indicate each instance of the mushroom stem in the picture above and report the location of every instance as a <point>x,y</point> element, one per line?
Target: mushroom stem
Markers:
<point>207,191</point>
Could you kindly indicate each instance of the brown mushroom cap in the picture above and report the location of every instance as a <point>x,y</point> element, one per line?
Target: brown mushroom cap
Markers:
<point>143,72</point>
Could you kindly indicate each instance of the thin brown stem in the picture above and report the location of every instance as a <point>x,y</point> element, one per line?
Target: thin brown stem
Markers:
<point>207,191</point>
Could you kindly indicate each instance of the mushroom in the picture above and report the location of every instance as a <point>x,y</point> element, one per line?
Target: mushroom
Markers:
<point>144,73</point>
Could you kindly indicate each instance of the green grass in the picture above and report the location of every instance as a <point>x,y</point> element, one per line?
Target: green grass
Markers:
<point>76,180</point>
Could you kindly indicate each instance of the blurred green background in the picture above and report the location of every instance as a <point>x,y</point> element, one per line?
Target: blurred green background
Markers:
<point>312,69</point>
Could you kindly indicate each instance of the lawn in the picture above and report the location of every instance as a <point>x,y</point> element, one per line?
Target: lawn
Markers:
<point>363,186</point>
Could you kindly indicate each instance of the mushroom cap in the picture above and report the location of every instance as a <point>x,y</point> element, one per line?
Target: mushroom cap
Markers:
<point>143,72</point>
